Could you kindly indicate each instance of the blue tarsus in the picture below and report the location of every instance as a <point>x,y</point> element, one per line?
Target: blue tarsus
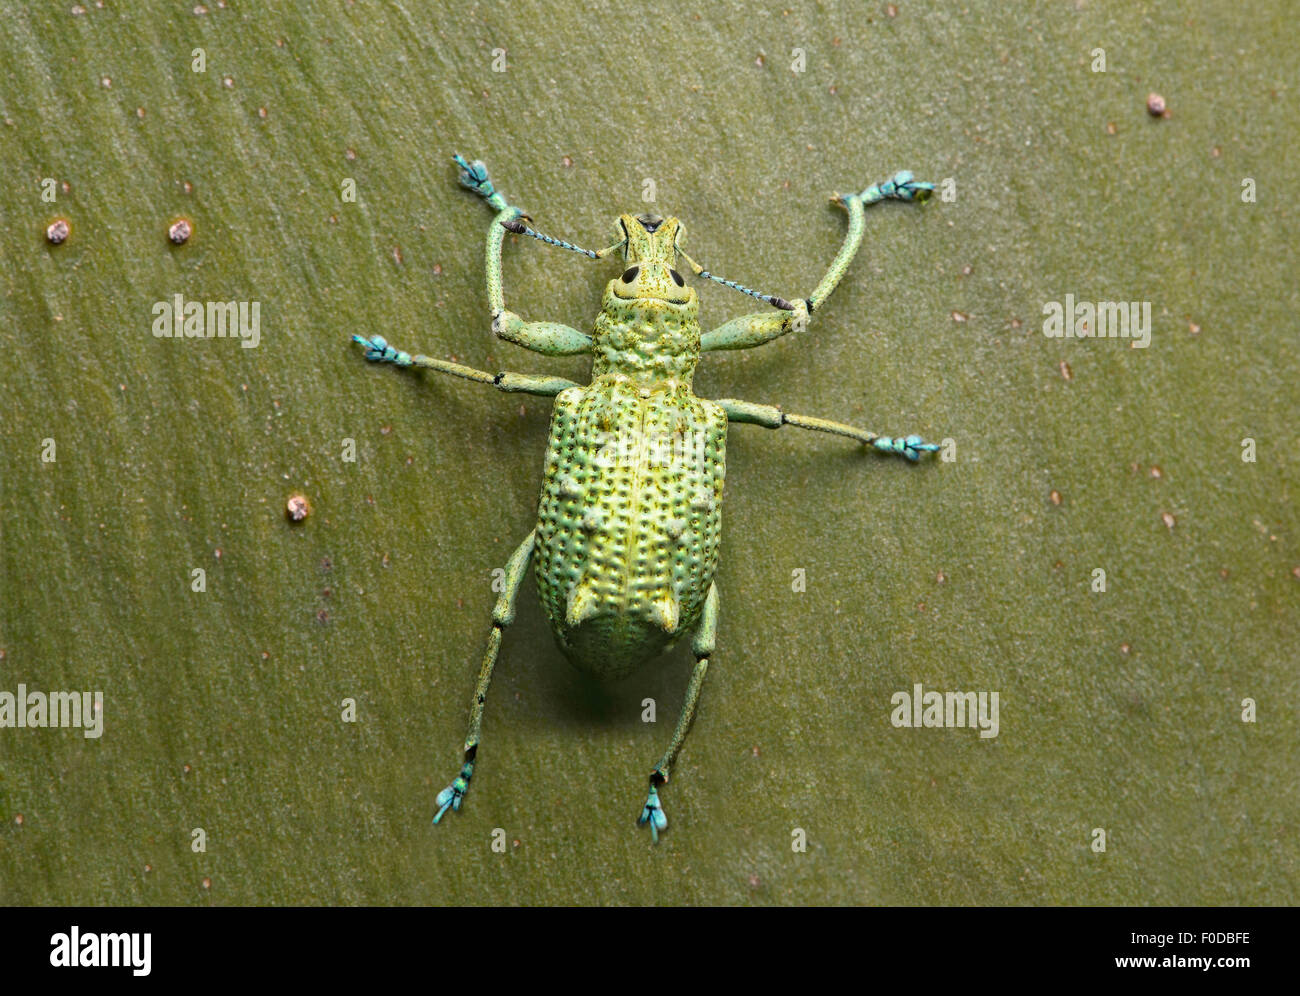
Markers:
<point>451,796</point>
<point>378,351</point>
<point>902,186</point>
<point>911,447</point>
<point>475,176</point>
<point>653,814</point>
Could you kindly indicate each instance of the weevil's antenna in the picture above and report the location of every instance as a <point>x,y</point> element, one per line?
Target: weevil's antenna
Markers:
<point>519,228</point>
<point>772,299</point>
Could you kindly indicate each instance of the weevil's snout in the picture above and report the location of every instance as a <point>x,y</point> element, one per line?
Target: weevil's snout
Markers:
<point>650,257</point>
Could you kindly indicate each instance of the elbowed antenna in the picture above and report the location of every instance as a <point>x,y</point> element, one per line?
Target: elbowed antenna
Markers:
<point>902,186</point>
<point>772,299</point>
<point>519,228</point>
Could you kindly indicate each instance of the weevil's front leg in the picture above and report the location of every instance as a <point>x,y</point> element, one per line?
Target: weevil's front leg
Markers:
<point>771,417</point>
<point>764,326</point>
<point>702,645</point>
<point>550,338</point>
<point>502,616</point>
<point>378,351</point>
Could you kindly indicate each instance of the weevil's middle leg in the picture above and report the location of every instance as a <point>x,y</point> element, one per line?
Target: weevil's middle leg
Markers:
<point>771,417</point>
<point>702,644</point>
<point>379,351</point>
<point>764,326</point>
<point>502,616</point>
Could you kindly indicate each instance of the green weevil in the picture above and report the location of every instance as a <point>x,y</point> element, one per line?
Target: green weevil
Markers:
<point>625,549</point>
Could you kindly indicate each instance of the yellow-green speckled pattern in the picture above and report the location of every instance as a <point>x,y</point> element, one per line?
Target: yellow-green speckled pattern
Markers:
<point>631,509</point>
<point>630,518</point>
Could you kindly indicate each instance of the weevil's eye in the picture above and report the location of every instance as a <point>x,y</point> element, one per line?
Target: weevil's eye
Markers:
<point>630,274</point>
<point>677,278</point>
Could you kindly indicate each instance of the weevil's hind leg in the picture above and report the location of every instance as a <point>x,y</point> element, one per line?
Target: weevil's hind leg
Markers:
<point>706,632</point>
<point>502,616</point>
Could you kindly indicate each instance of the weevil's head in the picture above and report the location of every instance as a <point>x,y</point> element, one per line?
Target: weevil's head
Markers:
<point>650,257</point>
<point>647,329</point>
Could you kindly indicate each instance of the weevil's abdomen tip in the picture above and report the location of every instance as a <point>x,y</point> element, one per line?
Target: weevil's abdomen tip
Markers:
<point>666,612</point>
<point>583,604</point>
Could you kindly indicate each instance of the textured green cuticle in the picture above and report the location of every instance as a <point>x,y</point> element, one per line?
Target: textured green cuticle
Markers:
<point>629,521</point>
